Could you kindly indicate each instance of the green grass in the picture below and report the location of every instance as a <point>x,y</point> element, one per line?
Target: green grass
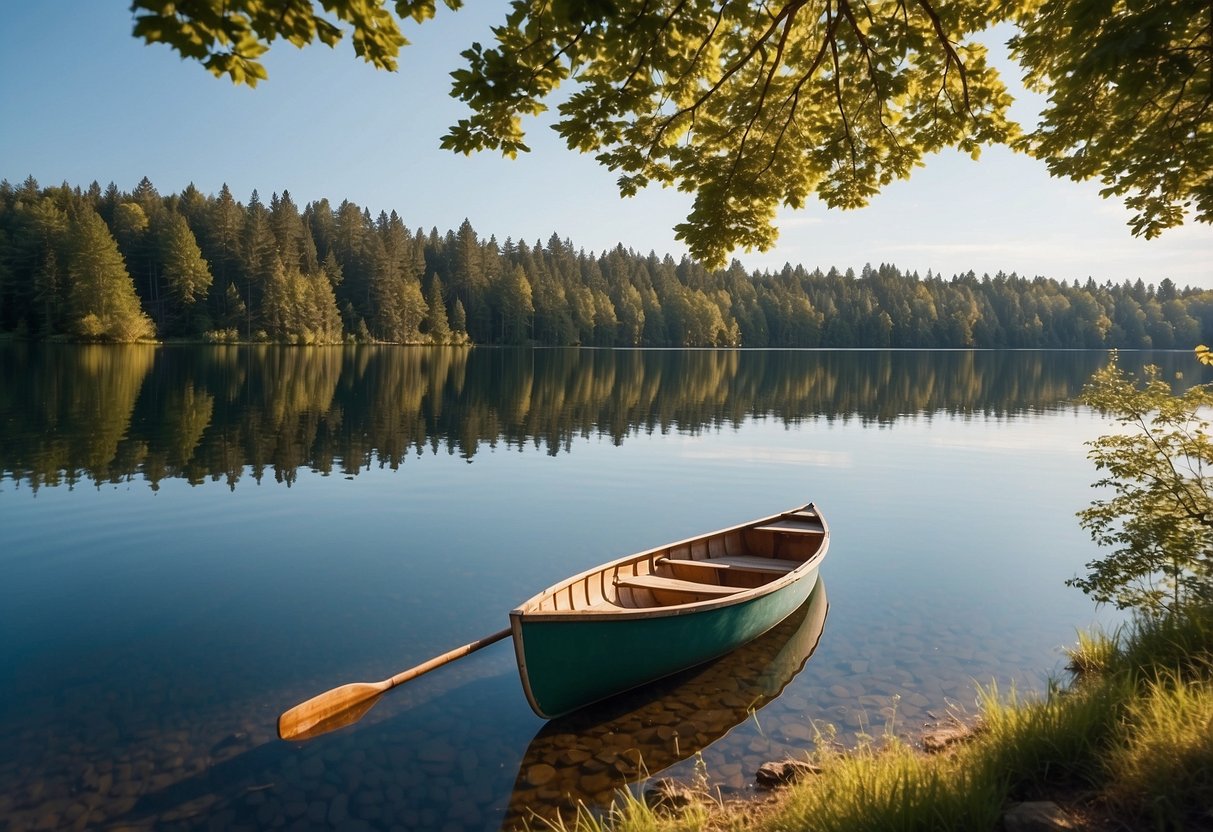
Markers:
<point>1058,740</point>
<point>890,787</point>
<point>1134,731</point>
<point>631,814</point>
<point>1094,653</point>
<point>1162,769</point>
<point>1156,647</point>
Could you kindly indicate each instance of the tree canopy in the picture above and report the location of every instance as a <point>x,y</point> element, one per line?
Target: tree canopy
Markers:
<point>751,106</point>
<point>1129,86</point>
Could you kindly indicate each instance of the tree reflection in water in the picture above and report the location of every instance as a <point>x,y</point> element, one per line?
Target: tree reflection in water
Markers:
<point>110,414</point>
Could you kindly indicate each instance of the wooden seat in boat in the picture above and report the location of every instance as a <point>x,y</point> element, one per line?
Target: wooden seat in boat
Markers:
<point>738,563</point>
<point>674,585</point>
<point>794,525</point>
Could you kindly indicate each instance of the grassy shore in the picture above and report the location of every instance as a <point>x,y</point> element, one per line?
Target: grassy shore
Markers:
<point>1126,744</point>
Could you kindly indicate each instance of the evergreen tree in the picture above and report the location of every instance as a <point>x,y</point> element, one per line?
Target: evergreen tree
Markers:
<point>261,266</point>
<point>332,270</point>
<point>397,303</point>
<point>187,277</point>
<point>102,296</point>
<point>467,280</point>
<point>131,229</point>
<point>349,246</point>
<point>50,295</point>
<point>139,219</point>
<point>323,321</point>
<point>220,240</point>
<point>235,311</point>
<point>110,199</point>
<point>437,325</point>
<point>516,307</point>
<point>35,294</point>
<point>295,245</point>
<point>321,225</point>
<point>129,225</point>
<point>195,207</point>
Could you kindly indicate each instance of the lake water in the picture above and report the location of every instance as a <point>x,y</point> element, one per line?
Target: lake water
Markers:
<point>194,539</point>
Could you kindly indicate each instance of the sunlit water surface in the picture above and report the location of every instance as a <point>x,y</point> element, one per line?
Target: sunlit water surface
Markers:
<point>193,540</point>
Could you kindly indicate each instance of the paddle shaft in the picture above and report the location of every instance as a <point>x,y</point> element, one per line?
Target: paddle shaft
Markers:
<point>346,704</point>
<point>447,657</point>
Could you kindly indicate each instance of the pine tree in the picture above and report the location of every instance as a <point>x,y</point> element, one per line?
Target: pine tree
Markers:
<point>318,220</point>
<point>467,278</point>
<point>235,312</point>
<point>140,249</point>
<point>102,295</point>
<point>110,199</point>
<point>349,247</point>
<point>129,226</point>
<point>399,305</point>
<point>383,273</point>
<point>220,242</point>
<point>36,287</point>
<point>186,275</point>
<point>195,208</point>
<point>322,320</point>
<point>148,198</point>
<point>516,306</point>
<point>295,245</point>
<point>332,270</point>
<point>437,325</point>
<point>50,294</point>
<point>261,265</point>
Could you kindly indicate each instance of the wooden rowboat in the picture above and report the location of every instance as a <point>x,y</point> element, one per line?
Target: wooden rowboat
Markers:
<point>648,615</point>
<point>628,622</point>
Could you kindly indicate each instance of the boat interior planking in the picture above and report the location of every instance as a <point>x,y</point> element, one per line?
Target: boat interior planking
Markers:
<point>690,572</point>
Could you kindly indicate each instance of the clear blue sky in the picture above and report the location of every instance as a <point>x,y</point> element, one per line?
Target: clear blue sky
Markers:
<point>81,100</point>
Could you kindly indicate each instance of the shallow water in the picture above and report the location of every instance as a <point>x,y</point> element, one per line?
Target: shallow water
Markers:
<point>194,539</point>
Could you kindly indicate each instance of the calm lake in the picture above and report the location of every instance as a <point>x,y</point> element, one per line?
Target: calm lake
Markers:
<point>194,539</point>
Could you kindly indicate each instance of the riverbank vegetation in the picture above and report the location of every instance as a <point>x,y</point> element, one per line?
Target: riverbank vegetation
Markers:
<point>94,264</point>
<point>1130,739</point>
<point>1158,520</point>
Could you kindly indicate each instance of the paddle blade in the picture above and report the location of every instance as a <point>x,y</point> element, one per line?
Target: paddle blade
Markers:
<point>329,711</point>
<point>341,706</point>
<point>337,720</point>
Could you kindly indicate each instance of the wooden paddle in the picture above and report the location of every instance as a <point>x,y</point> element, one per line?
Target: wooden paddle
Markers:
<point>342,706</point>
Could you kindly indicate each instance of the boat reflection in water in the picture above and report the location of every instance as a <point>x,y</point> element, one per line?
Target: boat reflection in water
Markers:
<point>583,758</point>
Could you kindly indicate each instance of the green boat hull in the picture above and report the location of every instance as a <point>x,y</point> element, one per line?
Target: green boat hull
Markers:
<point>568,664</point>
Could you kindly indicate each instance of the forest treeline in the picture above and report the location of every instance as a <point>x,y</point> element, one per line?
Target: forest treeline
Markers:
<point>98,264</point>
<point>101,413</point>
